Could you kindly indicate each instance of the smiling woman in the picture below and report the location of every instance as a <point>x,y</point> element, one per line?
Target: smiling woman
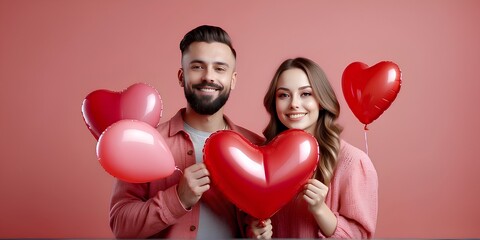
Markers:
<point>340,201</point>
<point>295,103</point>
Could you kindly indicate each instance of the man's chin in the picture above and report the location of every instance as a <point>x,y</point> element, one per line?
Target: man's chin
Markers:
<point>206,105</point>
<point>207,95</point>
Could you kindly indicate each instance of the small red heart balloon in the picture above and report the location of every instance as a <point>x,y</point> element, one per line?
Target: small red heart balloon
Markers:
<point>369,91</point>
<point>134,151</point>
<point>102,108</point>
<point>260,180</point>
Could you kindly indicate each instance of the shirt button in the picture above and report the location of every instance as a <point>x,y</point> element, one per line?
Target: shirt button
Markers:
<point>190,152</point>
<point>192,228</point>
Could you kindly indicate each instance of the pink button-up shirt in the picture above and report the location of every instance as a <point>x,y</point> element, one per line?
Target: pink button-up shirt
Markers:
<point>154,210</point>
<point>352,197</point>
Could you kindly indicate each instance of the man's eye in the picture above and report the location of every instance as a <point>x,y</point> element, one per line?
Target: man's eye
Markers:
<point>196,67</point>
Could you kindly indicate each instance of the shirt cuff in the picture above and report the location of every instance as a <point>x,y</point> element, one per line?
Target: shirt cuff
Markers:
<point>173,204</point>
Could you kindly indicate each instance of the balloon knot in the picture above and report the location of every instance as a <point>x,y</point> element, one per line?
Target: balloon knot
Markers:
<point>261,223</point>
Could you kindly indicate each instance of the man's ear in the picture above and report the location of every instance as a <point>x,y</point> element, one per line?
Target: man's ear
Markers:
<point>234,81</point>
<point>181,78</point>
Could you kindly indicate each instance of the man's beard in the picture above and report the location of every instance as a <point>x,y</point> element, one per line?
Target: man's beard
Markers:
<point>204,105</point>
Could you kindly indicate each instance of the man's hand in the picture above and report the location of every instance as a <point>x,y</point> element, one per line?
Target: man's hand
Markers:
<point>193,184</point>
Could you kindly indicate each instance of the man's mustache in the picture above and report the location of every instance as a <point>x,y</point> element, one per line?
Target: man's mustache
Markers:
<point>208,84</point>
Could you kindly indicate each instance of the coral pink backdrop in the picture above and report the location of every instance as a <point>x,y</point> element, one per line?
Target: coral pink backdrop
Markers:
<point>53,53</point>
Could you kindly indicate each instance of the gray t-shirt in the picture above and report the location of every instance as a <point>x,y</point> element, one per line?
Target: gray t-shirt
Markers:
<point>210,225</point>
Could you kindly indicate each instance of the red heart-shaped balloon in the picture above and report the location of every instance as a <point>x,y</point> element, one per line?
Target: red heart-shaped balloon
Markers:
<point>369,91</point>
<point>102,108</point>
<point>261,180</point>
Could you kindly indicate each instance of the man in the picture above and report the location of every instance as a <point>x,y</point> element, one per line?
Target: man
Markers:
<point>185,205</point>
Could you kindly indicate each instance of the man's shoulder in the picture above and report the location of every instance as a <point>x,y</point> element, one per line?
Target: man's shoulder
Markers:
<point>163,126</point>
<point>171,126</point>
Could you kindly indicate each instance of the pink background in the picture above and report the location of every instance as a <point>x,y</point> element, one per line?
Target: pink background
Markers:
<point>53,53</point>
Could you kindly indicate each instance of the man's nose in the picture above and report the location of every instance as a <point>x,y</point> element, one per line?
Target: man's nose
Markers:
<point>208,74</point>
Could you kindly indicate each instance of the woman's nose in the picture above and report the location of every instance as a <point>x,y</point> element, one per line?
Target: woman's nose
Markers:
<point>295,103</point>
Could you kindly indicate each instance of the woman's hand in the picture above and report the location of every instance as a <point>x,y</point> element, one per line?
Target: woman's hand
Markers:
<point>314,194</point>
<point>260,229</point>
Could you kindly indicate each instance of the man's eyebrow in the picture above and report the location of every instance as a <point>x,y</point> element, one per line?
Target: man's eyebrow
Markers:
<point>203,62</point>
<point>222,63</point>
<point>197,61</point>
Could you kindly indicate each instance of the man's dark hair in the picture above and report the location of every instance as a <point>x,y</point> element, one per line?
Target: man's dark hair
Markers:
<point>208,34</point>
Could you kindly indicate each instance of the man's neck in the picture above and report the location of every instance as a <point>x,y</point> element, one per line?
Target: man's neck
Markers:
<point>205,123</point>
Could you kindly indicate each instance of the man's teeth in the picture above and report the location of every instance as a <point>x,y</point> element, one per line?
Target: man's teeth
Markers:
<point>299,115</point>
<point>207,90</point>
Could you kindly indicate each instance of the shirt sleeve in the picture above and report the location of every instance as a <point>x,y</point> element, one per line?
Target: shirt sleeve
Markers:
<point>358,199</point>
<point>134,215</point>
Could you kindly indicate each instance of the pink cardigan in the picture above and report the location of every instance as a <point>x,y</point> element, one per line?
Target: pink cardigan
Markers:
<point>352,197</point>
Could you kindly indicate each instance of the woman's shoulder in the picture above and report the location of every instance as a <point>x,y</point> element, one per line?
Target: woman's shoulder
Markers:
<point>351,156</point>
<point>348,150</point>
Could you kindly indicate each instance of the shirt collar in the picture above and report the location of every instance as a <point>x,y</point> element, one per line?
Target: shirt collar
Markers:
<point>176,123</point>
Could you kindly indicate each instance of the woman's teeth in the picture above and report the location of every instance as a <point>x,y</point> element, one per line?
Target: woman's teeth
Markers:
<point>298,115</point>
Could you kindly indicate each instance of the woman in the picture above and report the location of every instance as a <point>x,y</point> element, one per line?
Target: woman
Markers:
<point>341,200</point>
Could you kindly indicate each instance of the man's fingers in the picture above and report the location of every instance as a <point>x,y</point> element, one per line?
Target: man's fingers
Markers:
<point>202,189</point>
<point>197,171</point>
<point>203,181</point>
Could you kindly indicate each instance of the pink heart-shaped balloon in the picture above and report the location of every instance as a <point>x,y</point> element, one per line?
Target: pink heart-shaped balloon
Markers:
<point>369,91</point>
<point>261,180</point>
<point>134,151</point>
<point>102,108</point>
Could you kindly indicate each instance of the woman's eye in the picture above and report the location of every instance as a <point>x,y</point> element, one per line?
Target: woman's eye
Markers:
<point>282,95</point>
<point>306,94</point>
